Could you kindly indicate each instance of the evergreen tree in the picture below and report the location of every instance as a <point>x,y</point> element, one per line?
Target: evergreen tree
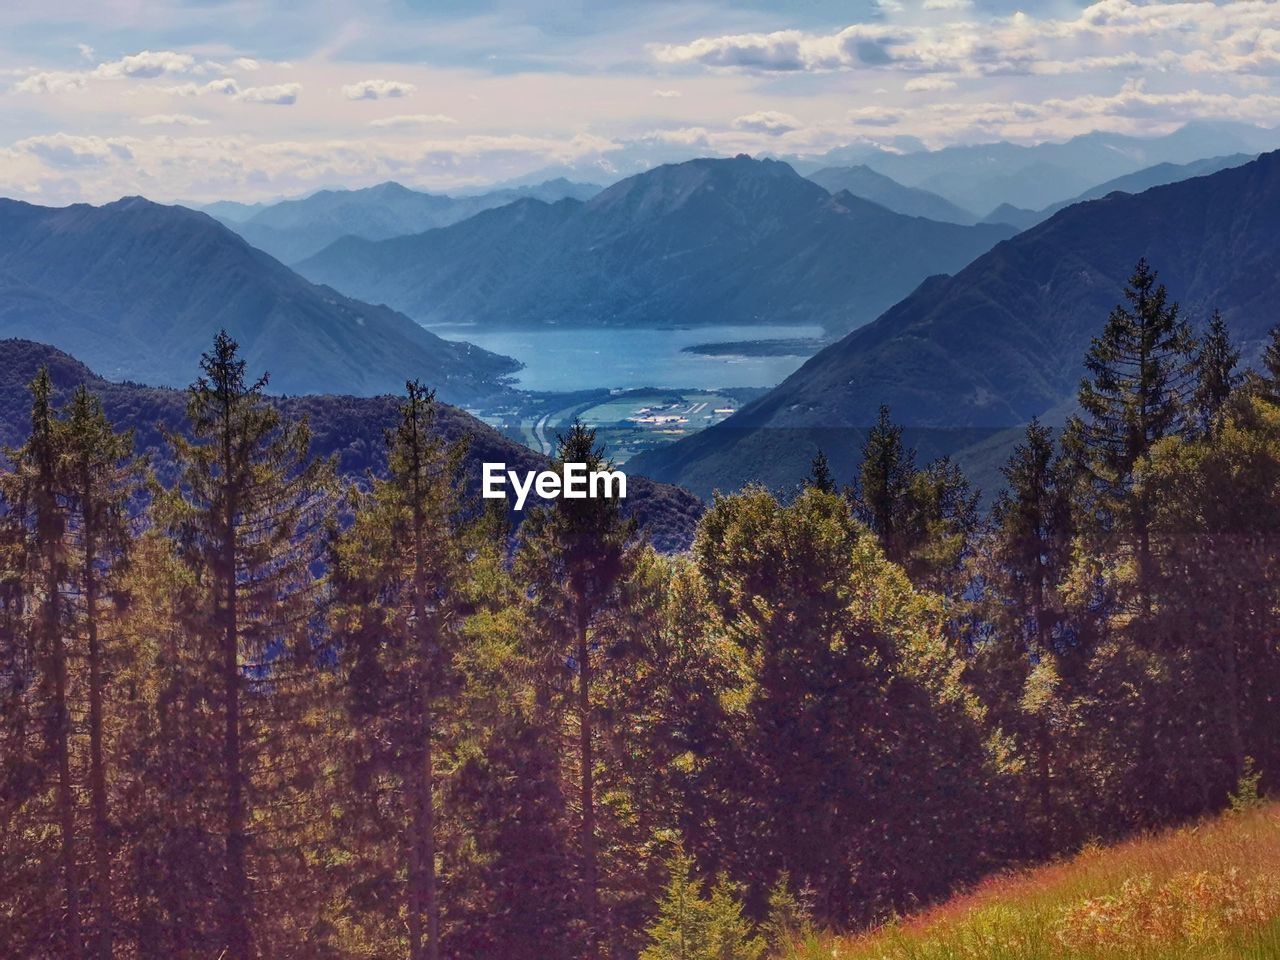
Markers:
<point>1216,373</point>
<point>681,930</point>
<point>576,556</point>
<point>37,498</point>
<point>248,511</point>
<point>102,478</point>
<point>401,575</point>
<point>1139,383</point>
<point>730,935</point>
<point>1030,553</point>
<point>884,485</point>
<point>820,476</point>
<point>790,918</point>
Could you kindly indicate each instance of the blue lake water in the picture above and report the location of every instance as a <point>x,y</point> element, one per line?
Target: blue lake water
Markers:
<point>562,360</point>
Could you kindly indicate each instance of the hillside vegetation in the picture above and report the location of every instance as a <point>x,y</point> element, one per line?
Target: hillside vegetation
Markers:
<point>1205,891</point>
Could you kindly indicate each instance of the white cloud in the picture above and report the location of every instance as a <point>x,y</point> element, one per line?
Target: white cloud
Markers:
<point>172,120</point>
<point>86,51</point>
<point>62,150</point>
<point>926,84</point>
<point>666,94</point>
<point>52,82</point>
<point>767,121</point>
<point>247,64</point>
<point>147,65</point>
<point>1199,36</point>
<point>226,86</point>
<point>377,90</point>
<point>412,120</point>
<point>281,94</point>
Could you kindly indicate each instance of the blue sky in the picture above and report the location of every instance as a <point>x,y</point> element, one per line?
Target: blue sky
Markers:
<point>255,99</point>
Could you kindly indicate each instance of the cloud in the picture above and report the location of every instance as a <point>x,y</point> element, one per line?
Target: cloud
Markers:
<point>666,94</point>
<point>412,120</point>
<point>1234,36</point>
<point>172,120</point>
<point>874,117</point>
<point>52,82</point>
<point>281,94</point>
<point>62,150</point>
<point>926,84</point>
<point>377,90</point>
<point>226,86</point>
<point>767,121</point>
<point>247,64</point>
<point>147,65</point>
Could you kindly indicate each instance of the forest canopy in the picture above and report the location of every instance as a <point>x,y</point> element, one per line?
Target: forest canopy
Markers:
<point>254,707</point>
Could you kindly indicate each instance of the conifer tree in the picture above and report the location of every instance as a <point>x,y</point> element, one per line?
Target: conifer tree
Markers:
<point>575,556</point>
<point>1031,550</point>
<point>1139,384</point>
<point>248,511</point>
<point>1216,373</point>
<point>402,568</point>
<point>681,930</point>
<point>730,935</point>
<point>36,493</point>
<point>790,917</point>
<point>884,484</point>
<point>102,477</point>
<point>820,476</point>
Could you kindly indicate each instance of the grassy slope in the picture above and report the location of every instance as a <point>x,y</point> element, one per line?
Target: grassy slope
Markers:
<point>1201,892</point>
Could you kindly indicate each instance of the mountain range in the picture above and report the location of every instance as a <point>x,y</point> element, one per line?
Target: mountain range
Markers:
<point>710,241</point>
<point>350,428</point>
<point>1137,182</point>
<point>139,290</point>
<point>862,181</point>
<point>983,176</point>
<point>978,353</point>
<point>292,230</point>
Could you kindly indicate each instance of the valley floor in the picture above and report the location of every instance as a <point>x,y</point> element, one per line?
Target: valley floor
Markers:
<point>1204,892</point>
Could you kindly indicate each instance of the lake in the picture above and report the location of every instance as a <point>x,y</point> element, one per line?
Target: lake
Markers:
<point>563,360</point>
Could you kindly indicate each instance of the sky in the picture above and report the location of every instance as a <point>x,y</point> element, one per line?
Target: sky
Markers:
<point>200,100</point>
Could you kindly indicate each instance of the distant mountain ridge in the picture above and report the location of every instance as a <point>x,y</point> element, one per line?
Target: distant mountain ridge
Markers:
<point>139,290</point>
<point>350,428</point>
<point>1136,182</point>
<point>983,176</point>
<point>710,241</point>
<point>967,356</point>
<point>862,181</point>
<point>292,230</point>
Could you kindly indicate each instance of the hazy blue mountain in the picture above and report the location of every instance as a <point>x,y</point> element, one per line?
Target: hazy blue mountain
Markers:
<point>983,176</point>
<point>292,230</point>
<point>350,428</point>
<point>1144,179</point>
<point>968,356</point>
<point>230,211</point>
<point>864,182</point>
<point>736,241</point>
<point>139,290</point>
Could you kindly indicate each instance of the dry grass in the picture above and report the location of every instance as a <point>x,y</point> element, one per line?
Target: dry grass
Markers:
<point>1208,892</point>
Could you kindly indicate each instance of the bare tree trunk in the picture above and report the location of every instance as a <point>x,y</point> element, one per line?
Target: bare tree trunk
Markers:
<point>97,770</point>
<point>238,941</point>
<point>62,746</point>
<point>590,891</point>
